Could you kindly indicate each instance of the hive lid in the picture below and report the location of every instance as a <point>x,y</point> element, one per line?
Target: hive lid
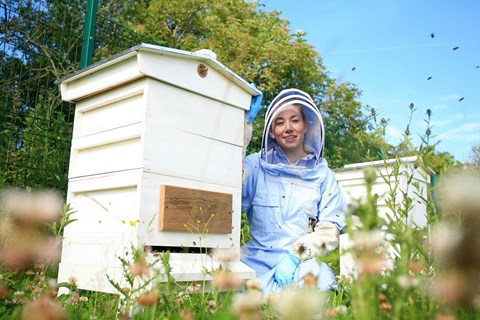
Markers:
<point>130,71</point>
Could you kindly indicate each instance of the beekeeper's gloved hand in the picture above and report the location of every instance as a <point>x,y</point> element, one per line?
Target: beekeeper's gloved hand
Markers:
<point>285,269</point>
<point>319,243</point>
<point>255,105</point>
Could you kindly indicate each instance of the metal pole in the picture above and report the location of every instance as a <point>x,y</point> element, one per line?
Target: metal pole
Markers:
<point>88,33</point>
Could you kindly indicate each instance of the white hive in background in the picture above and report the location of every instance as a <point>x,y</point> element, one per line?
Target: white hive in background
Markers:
<point>411,180</point>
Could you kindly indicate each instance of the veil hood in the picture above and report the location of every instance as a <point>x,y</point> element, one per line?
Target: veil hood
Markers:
<point>314,138</point>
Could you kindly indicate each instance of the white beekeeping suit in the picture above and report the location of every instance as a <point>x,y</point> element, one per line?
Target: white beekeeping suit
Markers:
<point>295,211</point>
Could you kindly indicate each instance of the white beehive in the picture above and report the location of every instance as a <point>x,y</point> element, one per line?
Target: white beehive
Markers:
<point>147,118</point>
<point>411,179</point>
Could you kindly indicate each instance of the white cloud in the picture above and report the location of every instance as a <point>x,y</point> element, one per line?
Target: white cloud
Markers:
<point>439,107</point>
<point>439,123</point>
<point>442,122</point>
<point>393,135</point>
<point>468,132</point>
<point>450,97</point>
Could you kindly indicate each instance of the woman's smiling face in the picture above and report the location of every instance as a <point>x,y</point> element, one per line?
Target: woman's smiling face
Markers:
<point>289,129</point>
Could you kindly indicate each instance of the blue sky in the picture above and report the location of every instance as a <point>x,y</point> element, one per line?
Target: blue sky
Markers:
<point>390,45</point>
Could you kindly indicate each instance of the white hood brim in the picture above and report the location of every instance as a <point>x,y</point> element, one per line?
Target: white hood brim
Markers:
<point>314,138</point>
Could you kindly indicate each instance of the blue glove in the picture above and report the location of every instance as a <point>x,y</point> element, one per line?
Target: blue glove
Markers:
<point>285,269</point>
<point>255,105</point>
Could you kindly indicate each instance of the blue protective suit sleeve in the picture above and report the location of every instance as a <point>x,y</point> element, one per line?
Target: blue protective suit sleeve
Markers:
<point>333,205</point>
<point>250,168</point>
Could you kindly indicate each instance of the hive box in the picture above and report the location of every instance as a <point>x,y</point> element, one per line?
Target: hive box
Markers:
<point>156,160</point>
<point>401,175</point>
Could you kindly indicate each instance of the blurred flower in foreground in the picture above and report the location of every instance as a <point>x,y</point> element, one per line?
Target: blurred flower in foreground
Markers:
<point>415,266</point>
<point>194,286</point>
<point>337,311</point>
<point>452,287</point>
<point>300,304</point>
<point>43,309</point>
<point>456,241</point>
<point>247,306</point>
<point>310,280</point>
<point>181,298</point>
<point>408,282</point>
<point>386,306</point>
<point>23,216</point>
<point>186,315</point>
<point>253,284</point>
<point>226,280</point>
<point>32,208</point>
<point>148,298</point>
<point>369,252</point>
<point>460,195</point>
<point>212,306</point>
<point>445,316</point>
<point>226,255</point>
<point>139,267</point>
<point>4,291</point>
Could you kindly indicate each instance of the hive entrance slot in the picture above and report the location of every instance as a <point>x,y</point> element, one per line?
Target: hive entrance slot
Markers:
<point>181,249</point>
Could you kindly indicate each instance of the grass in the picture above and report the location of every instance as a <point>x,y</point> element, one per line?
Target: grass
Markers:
<point>403,271</point>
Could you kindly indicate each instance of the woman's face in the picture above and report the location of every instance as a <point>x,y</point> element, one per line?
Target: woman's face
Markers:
<point>288,129</point>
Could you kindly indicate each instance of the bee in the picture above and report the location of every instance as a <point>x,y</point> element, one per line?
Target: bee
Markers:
<point>429,78</point>
<point>432,35</point>
<point>354,68</point>
<point>455,48</point>
<point>461,99</point>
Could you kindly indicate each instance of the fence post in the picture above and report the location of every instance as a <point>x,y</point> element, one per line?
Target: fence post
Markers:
<point>88,33</point>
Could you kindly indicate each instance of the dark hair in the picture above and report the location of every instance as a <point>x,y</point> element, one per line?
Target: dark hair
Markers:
<point>302,112</point>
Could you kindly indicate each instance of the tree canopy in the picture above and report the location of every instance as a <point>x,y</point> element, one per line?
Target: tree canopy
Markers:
<point>259,46</point>
<point>42,42</point>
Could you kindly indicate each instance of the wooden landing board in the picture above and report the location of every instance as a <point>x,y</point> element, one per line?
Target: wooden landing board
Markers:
<point>193,210</point>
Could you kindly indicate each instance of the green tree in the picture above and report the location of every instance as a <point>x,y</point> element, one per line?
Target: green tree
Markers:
<point>348,139</point>
<point>474,158</point>
<point>259,46</point>
<point>45,145</point>
<point>440,162</point>
<point>42,43</point>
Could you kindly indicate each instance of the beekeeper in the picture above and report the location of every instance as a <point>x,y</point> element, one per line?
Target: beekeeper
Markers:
<point>294,206</point>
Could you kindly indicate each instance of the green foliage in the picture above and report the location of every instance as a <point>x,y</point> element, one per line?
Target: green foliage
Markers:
<point>35,130</point>
<point>438,162</point>
<point>347,137</point>
<point>397,291</point>
<point>46,132</point>
<point>259,46</point>
<point>34,144</point>
<point>57,227</point>
<point>474,160</point>
<point>135,277</point>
